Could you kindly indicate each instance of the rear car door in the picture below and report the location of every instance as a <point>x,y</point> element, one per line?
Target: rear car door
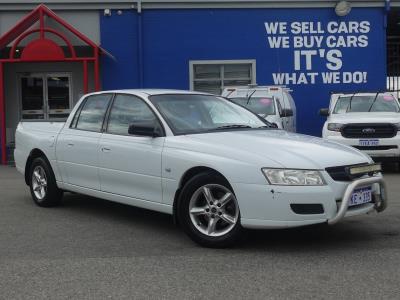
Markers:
<point>130,165</point>
<point>77,146</point>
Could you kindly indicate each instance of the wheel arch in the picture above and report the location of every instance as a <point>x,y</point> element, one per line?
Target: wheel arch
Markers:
<point>35,153</point>
<point>189,174</point>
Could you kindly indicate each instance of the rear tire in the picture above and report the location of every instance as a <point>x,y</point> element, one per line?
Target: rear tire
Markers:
<point>209,212</point>
<point>43,186</point>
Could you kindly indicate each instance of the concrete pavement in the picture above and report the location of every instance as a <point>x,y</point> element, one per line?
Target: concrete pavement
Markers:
<point>93,249</point>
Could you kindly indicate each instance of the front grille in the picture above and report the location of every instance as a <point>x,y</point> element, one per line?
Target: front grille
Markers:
<point>376,147</point>
<point>340,173</point>
<point>356,131</point>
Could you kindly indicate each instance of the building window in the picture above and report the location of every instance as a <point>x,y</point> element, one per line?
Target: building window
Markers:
<point>212,76</point>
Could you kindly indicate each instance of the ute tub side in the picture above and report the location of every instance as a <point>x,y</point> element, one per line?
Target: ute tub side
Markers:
<point>36,137</point>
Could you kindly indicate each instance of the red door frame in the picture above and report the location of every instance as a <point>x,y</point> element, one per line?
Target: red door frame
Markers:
<point>42,50</point>
<point>2,117</point>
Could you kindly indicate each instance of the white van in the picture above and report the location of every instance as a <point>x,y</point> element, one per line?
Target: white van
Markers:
<point>274,103</point>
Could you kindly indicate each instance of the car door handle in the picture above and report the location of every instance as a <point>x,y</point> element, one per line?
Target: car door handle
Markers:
<point>71,144</point>
<point>105,149</point>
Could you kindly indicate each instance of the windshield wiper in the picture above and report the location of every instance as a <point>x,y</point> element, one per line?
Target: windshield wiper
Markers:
<point>351,99</point>
<point>373,102</point>
<point>234,126</point>
<point>249,97</point>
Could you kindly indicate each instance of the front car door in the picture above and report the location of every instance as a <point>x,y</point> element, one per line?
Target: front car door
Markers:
<point>130,165</point>
<point>77,145</point>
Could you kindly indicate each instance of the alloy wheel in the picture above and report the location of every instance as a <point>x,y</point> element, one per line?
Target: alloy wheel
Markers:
<point>39,182</point>
<point>213,210</point>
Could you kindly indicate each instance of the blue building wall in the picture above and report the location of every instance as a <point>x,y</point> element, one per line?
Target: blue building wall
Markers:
<point>171,38</point>
<point>119,36</point>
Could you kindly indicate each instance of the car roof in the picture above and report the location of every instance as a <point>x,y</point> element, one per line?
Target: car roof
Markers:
<point>233,91</point>
<point>260,88</point>
<point>152,92</point>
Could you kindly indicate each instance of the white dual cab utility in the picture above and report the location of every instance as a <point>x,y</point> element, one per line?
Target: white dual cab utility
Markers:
<point>212,164</point>
<point>274,103</point>
<point>369,122</point>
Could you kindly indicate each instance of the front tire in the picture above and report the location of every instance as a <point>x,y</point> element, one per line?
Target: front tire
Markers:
<point>43,186</point>
<point>208,211</point>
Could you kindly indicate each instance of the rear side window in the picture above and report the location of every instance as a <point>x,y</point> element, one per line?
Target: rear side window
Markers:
<point>93,112</point>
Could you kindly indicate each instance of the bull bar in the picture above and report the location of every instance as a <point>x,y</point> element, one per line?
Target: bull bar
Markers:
<point>380,199</point>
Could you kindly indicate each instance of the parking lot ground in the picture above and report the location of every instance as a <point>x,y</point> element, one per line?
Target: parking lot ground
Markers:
<point>93,249</point>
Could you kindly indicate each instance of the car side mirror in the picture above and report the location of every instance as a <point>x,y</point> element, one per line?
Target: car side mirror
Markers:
<point>287,112</point>
<point>324,112</point>
<point>144,129</point>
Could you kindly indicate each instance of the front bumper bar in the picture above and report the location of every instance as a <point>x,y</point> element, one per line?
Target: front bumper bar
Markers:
<point>380,199</point>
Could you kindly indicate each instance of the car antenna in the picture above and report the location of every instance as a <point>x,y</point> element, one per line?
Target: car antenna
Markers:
<point>373,102</point>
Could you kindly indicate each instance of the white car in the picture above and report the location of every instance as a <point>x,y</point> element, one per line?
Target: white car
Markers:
<point>273,103</point>
<point>369,122</point>
<point>212,164</point>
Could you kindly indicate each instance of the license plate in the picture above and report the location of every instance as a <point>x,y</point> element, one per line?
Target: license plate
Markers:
<point>368,142</point>
<point>361,196</point>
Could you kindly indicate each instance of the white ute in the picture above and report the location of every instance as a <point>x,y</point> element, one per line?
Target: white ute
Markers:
<point>212,164</point>
<point>369,122</point>
<point>273,103</point>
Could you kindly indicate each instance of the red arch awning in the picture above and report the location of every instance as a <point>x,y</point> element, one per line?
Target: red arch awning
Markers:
<point>43,48</point>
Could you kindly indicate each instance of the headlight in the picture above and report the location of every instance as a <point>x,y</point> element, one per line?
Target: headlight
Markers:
<point>293,177</point>
<point>335,126</point>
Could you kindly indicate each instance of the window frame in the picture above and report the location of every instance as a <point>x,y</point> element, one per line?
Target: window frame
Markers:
<point>77,115</point>
<point>221,63</point>
<point>107,116</point>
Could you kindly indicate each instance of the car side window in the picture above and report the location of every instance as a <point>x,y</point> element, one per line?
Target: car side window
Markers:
<point>129,110</point>
<point>92,113</point>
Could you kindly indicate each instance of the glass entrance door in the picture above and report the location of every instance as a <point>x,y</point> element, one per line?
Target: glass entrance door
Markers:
<point>58,96</point>
<point>45,96</point>
<point>32,97</point>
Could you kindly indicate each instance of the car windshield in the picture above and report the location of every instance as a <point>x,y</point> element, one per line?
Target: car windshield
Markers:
<point>191,113</point>
<point>366,103</point>
<point>259,105</point>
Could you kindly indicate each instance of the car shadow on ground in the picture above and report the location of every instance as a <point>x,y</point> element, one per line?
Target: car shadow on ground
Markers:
<point>315,237</point>
<point>113,211</point>
<point>353,233</point>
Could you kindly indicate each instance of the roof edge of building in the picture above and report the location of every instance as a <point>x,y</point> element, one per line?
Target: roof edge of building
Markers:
<point>183,4</point>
